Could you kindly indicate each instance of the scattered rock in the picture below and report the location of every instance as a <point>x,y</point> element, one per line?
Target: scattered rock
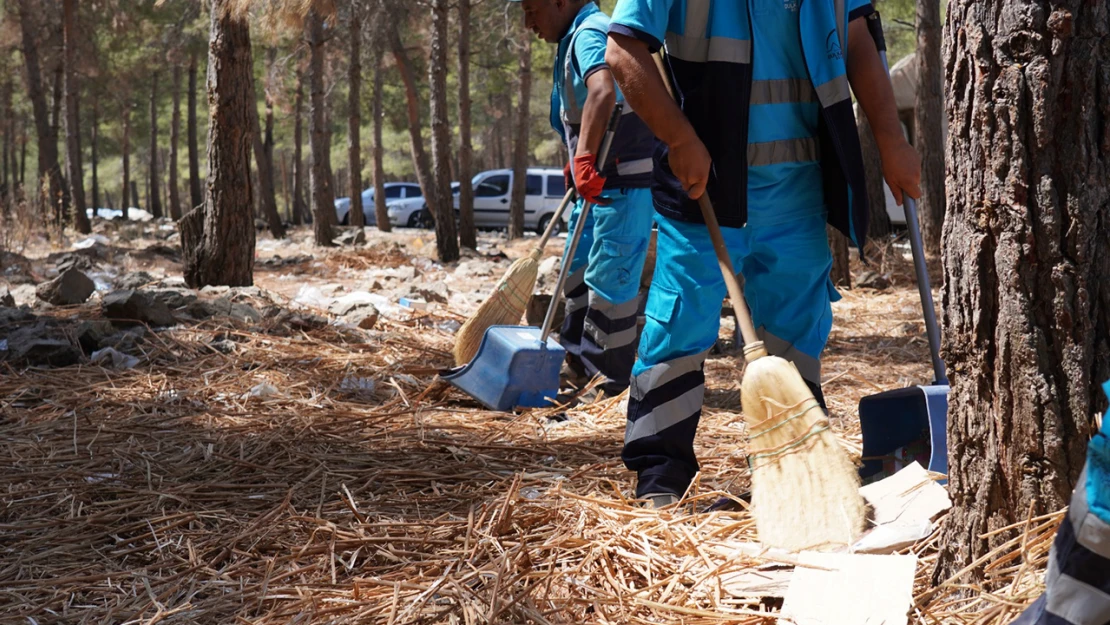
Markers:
<point>433,292</point>
<point>10,317</point>
<point>873,280</point>
<point>6,298</point>
<point>351,236</point>
<point>137,306</point>
<point>224,346</point>
<point>24,294</point>
<point>134,280</point>
<point>70,288</point>
<point>471,268</point>
<point>126,341</point>
<point>175,298</point>
<point>82,259</point>
<point>404,273</point>
<point>217,290</point>
<point>223,307</point>
<point>363,316</point>
<point>90,334</point>
<point>297,321</point>
<point>38,346</point>
<point>278,261</point>
<point>537,309</point>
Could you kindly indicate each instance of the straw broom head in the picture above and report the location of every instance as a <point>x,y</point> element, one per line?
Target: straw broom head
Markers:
<point>504,306</point>
<point>805,489</point>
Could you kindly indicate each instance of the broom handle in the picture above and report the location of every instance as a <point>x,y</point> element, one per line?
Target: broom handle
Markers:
<point>924,288</point>
<point>568,256</point>
<point>753,347</point>
<point>554,222</point>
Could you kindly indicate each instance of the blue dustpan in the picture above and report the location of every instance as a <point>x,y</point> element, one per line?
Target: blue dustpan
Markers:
<point>513,368</point>
<point>908,424</point>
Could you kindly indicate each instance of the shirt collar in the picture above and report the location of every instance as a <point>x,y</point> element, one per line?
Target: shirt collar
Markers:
<point>587,10</point>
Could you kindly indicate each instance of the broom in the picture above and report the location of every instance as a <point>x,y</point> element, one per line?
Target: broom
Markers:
<point>805,489</point>
<point>510,295</point>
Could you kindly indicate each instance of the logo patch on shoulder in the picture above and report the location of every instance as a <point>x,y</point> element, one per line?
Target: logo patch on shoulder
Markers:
<point>832,46</point>
<point>791,5</point>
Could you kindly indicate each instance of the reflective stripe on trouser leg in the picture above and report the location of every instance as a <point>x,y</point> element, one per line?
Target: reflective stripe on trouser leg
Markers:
<point>577,300</point>
<point>609,340</point>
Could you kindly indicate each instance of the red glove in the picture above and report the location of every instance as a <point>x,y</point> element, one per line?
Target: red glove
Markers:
<point>588,179</point>
<point>568,179</point>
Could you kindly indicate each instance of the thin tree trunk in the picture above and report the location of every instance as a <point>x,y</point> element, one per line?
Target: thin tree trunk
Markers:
<point>175,134</point>
<point>267,194</point>
<point>318,175</point>
<point>412,99</point>
<point>73,125</point>
<point>49,167</point>
<point>125,148</point>
<point>520,142</point>
<point>468,234</point>
<point>873,173</point>
<point>1026,254</point>
<point>286,203</point>
<point>153,201</point>
<point>447,242</point>
<point>218,238</point>
<point>6,129</point>
<point>841,274</point>
<point>196,197</point>
<point>95,158</point>
<point>299,207</point>
<point>381,213</point>
<point>354,119</point>
<point>929,122</point>
<point>22,150</point>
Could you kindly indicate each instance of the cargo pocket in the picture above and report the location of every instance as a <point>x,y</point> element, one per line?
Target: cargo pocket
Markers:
<point>619,261</point>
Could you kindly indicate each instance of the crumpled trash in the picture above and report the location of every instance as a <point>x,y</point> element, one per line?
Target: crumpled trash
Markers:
<point>91,240</point>
<point>357,385</point>
<point>263,390</point>
<point>3,345</point>
<point>111,357</point>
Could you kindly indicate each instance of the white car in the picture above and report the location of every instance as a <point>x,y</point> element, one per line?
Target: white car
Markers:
<point>393,191</point>
<point>544,189</point>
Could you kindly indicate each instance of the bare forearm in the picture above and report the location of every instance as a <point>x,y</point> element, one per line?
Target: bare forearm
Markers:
<point>601,98</point>
<point>871,84</point>
<point>644,89</point>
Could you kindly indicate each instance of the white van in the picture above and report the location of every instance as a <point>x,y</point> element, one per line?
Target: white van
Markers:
<point>544,189</point>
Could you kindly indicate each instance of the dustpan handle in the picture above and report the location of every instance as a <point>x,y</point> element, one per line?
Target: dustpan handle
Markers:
<point>921,269</point>
<point>568,256</point>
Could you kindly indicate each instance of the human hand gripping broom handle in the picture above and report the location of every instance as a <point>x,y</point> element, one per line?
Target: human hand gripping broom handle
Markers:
<point>568,256</point>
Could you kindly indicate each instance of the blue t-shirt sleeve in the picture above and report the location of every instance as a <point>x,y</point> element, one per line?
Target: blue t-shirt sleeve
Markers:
<point>859,8</point>
<point>646,20</point>
<point>589,52</point>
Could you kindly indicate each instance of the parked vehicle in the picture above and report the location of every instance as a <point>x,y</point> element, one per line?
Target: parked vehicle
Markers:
<point>414,213</point>
<point>544,189</point>
<point>393,191</point>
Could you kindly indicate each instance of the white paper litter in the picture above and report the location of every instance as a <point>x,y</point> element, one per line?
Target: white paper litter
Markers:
<point>904,505</point>
<point>110,357</point>
<point>850,589</point>
<point>263,390</point>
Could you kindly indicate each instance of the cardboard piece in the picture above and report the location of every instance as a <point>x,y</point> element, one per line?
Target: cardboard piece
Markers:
<point>850,589</point>
<point>904,505</point>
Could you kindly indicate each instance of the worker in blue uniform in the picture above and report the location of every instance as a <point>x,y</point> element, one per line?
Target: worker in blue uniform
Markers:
<point>602,290</point>
<point>761,118</point>
<point>1077,586</point>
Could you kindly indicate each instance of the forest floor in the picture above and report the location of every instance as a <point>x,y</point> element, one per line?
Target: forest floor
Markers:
<point>285,467</point>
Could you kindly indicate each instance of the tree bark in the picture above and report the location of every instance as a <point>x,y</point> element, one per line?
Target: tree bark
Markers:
<point>841,274</point>
<point>354,119</point>
<point>95,155</point>
<point>196,197</point>
<point>73,125</point>
<point>520,141</point>
<point>412,100</point>
<point>1026,254</point>
<point>880,227</point>
<point>218,238</point>
<point>317,174</point>
<point>447,242</point>
<point>929,123</point>
<point>155,204</point>
<point>267,193</point>
<point>175,135</point>
<point>49,167</point>
<point>6,128</point>
<point>468,233</point>
<point>125,149</point>
<point>381,213</point>
<point>299,207</point>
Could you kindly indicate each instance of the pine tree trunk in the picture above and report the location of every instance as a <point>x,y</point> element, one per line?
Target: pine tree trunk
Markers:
<point>318,145</point>
<point>1026,254</point>
<point>125,149</point>
<point>49,167</point>
<point>354,119</point>
<point>6,128</point>
<point>468,233</point>
<point>929,123</point>
<point>95,154</point>
<point>73,125</point>
<point>267,193</point>
<point>880,226</point>
<point>299,207</point>
<point>218,238</point>
<point>155,204</point>
<point>841,273</point>
<point>381,213</point>
<point>447,241</point>
<point>196,196</point>
<point>520,142</point>
<point>412,100</point>
<point>175,135</point>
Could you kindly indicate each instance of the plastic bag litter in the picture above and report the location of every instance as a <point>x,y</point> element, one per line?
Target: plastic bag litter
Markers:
<point>264,390</point>
<point>111,357</point>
